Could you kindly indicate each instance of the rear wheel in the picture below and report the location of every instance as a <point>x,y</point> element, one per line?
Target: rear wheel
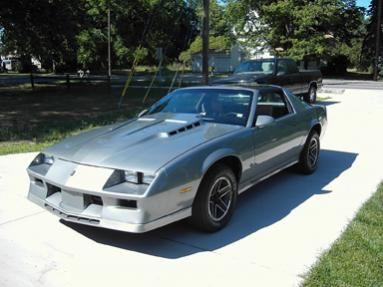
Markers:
<point>311,96</point>
<point>215,201</point>
<point>308,161</point>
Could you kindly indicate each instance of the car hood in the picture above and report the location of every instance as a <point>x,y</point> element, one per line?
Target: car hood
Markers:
<point>144,144</point>
<point>242,78</point>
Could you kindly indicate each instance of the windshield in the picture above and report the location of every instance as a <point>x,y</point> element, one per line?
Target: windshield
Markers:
<point>215,105</point>
<point>258,66</point>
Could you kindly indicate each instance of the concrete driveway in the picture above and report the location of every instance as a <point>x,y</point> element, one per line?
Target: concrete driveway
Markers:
<point>281,226</point>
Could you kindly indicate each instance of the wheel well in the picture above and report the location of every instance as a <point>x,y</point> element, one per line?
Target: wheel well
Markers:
<point>317,128</point>
<point>232,162</point>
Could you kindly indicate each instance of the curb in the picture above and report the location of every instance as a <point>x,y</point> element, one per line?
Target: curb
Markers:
<point>332,91</point>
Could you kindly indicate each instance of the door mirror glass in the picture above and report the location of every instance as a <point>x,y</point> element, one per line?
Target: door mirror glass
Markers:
<point>263,121</point>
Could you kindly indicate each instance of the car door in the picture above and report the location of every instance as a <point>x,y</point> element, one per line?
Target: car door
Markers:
<point>277,143</point>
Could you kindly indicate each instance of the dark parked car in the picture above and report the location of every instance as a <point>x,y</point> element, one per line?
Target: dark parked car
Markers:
<point>277,71</point>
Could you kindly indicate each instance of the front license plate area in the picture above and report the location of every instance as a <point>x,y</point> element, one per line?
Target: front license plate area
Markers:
<point>72,200</point>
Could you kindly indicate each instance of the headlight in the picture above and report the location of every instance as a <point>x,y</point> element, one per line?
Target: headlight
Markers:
<point>42,158</point>
<point>121,176</point>
<point>138,177</point>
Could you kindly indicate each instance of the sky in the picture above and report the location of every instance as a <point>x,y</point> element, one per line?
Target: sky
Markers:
<point>363,3</point>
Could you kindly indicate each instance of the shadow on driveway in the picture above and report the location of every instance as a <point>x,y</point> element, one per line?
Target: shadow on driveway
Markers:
<point>327,103</point>
<point>261,206</point>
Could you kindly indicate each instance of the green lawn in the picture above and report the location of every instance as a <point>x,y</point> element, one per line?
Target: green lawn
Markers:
<point>356,258</point>
<point>33,119</point>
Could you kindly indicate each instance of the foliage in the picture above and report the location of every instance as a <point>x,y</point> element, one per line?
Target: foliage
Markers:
<point>220,34</point>
<point>297,28</point>
<point>368,49</point>
<point>216,44</point>
<point>68,32</point>
<point>136,23</point>
<point>356,258</point>
<point>45,29</point>
<point>71,33</point>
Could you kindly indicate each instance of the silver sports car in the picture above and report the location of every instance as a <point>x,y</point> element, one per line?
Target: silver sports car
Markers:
<point>188,155</point>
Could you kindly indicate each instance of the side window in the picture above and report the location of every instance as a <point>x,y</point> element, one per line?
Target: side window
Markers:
<point>272,102</point>
<point>286,66</point>
<point>291,67</point>
<point>282,68</point>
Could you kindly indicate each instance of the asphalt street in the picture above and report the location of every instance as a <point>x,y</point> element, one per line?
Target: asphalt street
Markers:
<point>352,84</point>
<point>187,78</point>
<point>279,229</point>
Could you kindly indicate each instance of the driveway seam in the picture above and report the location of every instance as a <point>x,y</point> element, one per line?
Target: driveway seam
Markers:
<point>21,218</point>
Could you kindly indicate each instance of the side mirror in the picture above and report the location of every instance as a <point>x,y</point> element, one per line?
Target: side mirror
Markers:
<point>263,121</point>
<point>143,112</point>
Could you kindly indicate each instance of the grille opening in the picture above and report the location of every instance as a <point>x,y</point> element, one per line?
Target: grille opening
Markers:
<point>127,203</point>
<point>72,217</point>
<point>172,133</point>
<point>92,199</point>
<point>52,189</point>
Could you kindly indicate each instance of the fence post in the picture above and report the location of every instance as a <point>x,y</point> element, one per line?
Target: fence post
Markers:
<point>109,82</point>
<point>32,81</point>
<point>67,81</point>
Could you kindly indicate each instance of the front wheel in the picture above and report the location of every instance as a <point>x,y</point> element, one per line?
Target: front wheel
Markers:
<point>308,161</point>
<point>215,200</point>
<point>311,96</point>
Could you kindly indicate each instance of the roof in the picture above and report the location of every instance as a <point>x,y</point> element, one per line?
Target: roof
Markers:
<point>246,86</point>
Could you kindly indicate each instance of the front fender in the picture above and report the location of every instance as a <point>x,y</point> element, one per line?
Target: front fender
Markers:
<point>215,156</point>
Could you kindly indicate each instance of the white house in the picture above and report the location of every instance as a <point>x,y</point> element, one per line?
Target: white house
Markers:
<point>220,62</point>
<point>254,49</point>
<point>244,49</point>
<point>11,61</point>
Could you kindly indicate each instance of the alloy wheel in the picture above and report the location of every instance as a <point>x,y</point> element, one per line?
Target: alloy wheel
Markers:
<point>313,152</point>
<point>220,198</point>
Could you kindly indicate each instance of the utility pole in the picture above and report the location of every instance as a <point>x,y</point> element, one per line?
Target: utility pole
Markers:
<point>109,63</point>
<point>205,43</point>
<point>377,38</point>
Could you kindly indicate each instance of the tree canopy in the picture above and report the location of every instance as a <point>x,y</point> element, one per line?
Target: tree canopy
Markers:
<point>370,37</point>
<point>73,33</point>
<point>299,28</point>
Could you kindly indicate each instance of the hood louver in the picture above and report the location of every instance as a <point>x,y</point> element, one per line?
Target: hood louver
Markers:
<point>185,128</point>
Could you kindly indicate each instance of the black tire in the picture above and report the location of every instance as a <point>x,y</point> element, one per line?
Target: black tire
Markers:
<point>311,96</point>
<point>204,210</point>
<point>307,164</point>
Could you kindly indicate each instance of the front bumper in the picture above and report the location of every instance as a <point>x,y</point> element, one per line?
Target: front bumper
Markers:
<point>88,216</point>
<point>84,200</point>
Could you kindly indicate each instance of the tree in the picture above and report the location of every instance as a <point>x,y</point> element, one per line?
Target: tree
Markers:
<point>221,34</point>
<point>135,23</point>
<point>298,28</point>
<point>368,50</point>
<point>44,29</point>
<point>72,32</point>
<point>217,44</point>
